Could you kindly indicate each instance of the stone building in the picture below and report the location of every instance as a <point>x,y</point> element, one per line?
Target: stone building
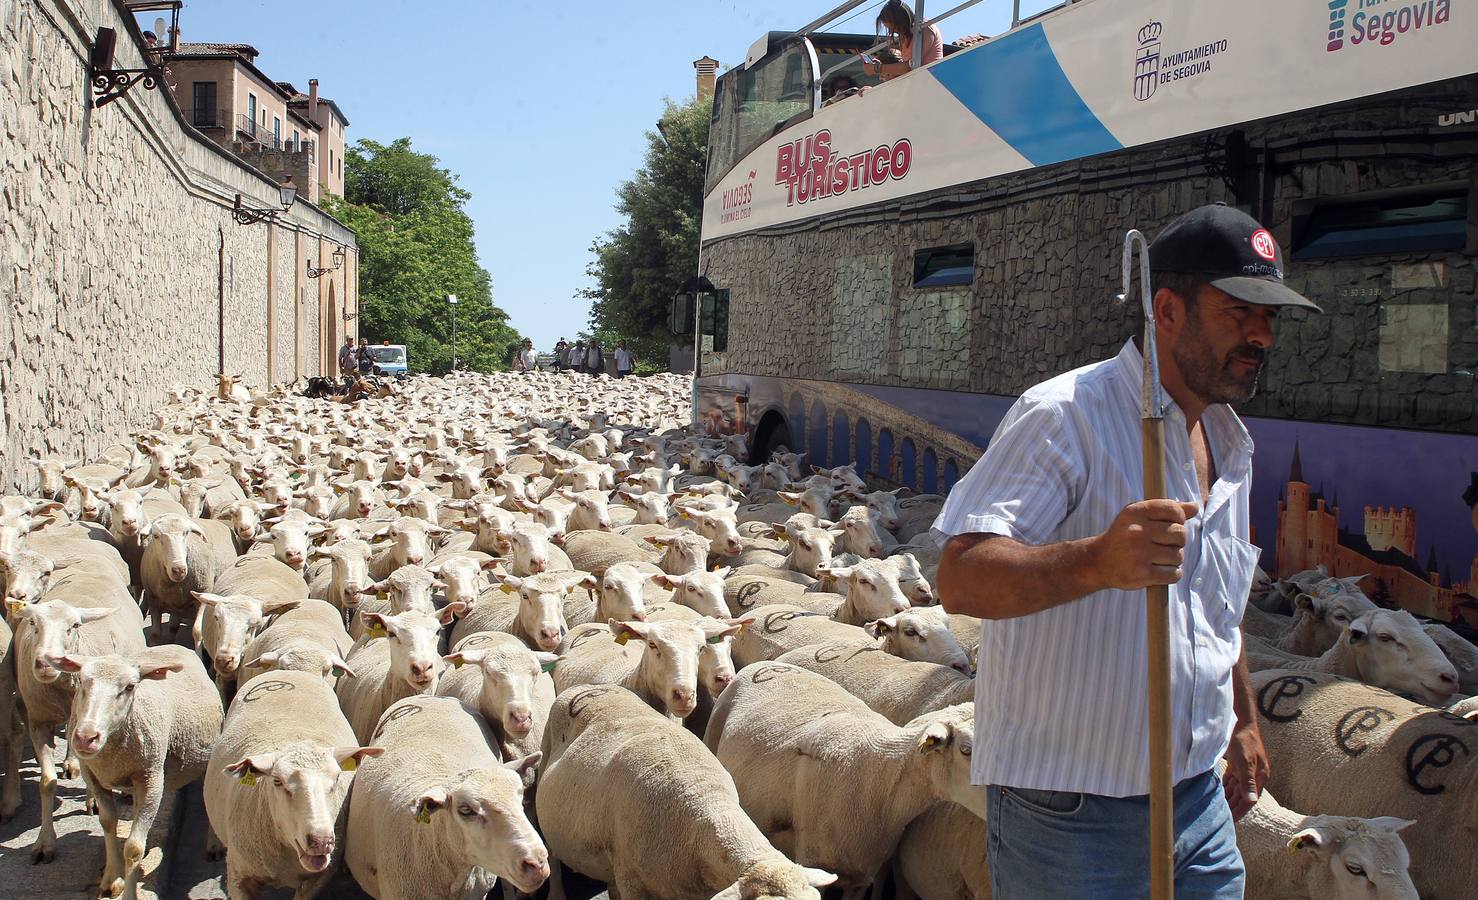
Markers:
<point>124,270</point>
<point>270,124</point>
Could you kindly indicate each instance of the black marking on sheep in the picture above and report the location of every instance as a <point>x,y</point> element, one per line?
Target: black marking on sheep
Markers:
<point>577,704</point>
<point>1360,720</point>
<point>586,635</point>
<point>771,625</point>
<point>770,672</point>
<point>410,709</point>
<point>745,597</point>
<point>1432,751</point>
<point>263,688</point>
<point>476,640</point>
<point>1279,689</point>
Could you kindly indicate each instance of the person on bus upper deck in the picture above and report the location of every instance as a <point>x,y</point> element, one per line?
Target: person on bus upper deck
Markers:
<point>1050,518</point>
<point>898,20</point>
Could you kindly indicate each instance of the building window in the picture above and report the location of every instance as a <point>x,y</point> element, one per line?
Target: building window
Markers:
<point>203,104</point>
<point>297,141</point>
<point>276,132</point>
<point>251,108</point>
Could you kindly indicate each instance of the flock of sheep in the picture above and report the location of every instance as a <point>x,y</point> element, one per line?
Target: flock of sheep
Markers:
<point>493,624</point>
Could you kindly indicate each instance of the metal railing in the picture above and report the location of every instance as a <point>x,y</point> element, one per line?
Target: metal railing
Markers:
<point>207,117</point>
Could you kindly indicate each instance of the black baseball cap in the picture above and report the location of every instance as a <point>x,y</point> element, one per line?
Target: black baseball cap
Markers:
<point>1231,251</point>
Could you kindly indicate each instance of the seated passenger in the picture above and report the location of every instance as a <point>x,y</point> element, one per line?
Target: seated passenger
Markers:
<point>838,88</point>
<point>898,20</point>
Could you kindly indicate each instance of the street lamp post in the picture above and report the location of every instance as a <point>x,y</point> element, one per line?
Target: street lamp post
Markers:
<point>451,300</point>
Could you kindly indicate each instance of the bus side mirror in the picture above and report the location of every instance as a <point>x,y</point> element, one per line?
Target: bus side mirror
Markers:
<point>680,316</point>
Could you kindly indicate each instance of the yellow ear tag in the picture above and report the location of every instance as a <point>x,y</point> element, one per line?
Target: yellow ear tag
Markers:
<point>622,638</point>
<point>457,663</point>
<point>506,588</point>
<point>424,816</point>
<point>376,631</point>
<point>14,605</point>
<point>381,596</point>
<point>1295,845</point>
<point>249,779</point>
<point>548,667</point>
<point>349,764</point>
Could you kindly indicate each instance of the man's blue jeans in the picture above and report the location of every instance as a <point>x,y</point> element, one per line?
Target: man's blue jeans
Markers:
<point>1066,846</point>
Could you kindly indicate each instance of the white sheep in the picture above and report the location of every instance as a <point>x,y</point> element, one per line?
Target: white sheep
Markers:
<point>313,629</point>
<point>1290,855</point>
<point>831,781</point>
<point>656,660</point>
<point>181,556</point>
<point>145,725</point>
<point>497,675</point>
<point>898,689</point>
<point>399,658</point>
<point>1385,648</point>
<point>442,817</point>
<point>531,609</point>
<point>605,742</point>
<point>277,781</point>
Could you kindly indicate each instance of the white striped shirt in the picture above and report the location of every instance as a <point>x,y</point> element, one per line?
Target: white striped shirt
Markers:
<point>1060,699</point>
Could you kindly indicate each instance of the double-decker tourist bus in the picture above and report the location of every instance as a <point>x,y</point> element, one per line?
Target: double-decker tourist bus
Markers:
<point>890,268</point>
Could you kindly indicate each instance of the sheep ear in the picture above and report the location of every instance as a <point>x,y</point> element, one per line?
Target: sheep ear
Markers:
<point>349,758</point>
<point>280,606</point>
<point>1390,823</point>
<point>547,661</point>
<point>525,768</point>
<point>248,768</point>
<point>1303,601</point>
<point>1359,630</point>
<point>374,625</point>
<point>468,657</point>
<point>338,666</point>
<point>1308,839</point>
<point>818,878</point>
<point>450,612</point>
<point>267,660</point>
<point>428,803</point>
<point>880,627</point>
<point>935,737</point>
<point>158,673</point>
<point>625,631</point>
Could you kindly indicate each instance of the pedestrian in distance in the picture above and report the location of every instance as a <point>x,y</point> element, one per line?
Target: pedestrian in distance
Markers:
<point>561,350</point>
<point>1050,518</point>
<point>623,360</point>
<point>577,357</point>
<point>347,358</point>
<point>526,360</point>
<point>595,361</point>
<point>365,358</point>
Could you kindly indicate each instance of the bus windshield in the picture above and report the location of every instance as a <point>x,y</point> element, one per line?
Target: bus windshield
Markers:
<point>750,105</point>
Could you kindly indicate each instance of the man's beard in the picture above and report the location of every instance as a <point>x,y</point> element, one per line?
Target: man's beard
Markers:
<point>1216,380</point>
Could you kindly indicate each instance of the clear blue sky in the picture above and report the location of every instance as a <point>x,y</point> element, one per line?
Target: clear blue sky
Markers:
<point>540,108</point>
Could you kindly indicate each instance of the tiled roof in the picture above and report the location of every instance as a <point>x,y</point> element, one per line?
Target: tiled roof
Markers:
<point>214,49</point>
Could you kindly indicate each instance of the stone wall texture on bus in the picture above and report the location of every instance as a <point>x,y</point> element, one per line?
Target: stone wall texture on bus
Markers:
<point>114,223</point>
<point>833,298</point>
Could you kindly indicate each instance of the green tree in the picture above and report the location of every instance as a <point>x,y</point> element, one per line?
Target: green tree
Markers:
<point>415,245</point>
<point>638,266</point>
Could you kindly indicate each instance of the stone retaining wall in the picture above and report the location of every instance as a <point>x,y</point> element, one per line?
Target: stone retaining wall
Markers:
<point>122,271</point>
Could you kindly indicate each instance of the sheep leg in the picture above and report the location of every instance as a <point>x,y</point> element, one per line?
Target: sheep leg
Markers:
<point>903,889</point>
<point>156,612</point>
<point>43,742</point>
<point>111,884</point>
<point>10,800</point>
<point>148,793</point>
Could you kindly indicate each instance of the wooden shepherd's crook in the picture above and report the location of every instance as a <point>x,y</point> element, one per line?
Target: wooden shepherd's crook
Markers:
<point>1157,598</point>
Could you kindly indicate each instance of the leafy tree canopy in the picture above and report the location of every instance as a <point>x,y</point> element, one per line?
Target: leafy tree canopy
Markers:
<point>415,245</point>
<point>638,266</point>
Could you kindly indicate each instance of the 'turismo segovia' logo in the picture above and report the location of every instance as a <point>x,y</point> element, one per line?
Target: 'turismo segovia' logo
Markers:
<point>1381,21</point>
<point>1147,61</point>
